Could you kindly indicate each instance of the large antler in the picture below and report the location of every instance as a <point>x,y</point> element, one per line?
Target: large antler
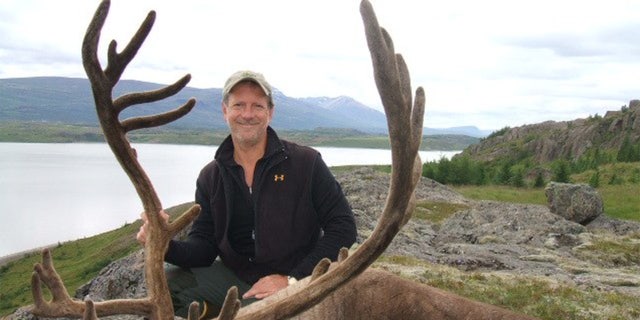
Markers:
<point>404,118</point>
<point>158,302</point>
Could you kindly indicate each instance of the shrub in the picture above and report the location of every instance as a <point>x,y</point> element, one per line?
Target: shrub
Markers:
<point>615,179</point>
<point>539,182</point>
<point>594,181</point>
<point>561,171</point>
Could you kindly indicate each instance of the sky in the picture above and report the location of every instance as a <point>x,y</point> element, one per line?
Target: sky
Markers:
<point>488,64</point>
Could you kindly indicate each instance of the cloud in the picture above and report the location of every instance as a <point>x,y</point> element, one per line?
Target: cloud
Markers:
<point>491,64</point>
<point>618,43</point>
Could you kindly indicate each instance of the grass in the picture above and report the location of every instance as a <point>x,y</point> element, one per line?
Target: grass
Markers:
<point>534,296</point>
<point>620,201</point>
<point>621,198</point>
<point>348,168</point>
<point>612,173</point>
<point>503,193</point>
<point>77,262</point>
<point>436,212</point>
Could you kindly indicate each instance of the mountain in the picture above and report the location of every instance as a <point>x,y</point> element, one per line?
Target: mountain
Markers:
<point>348,108</point>
<point>471,131</point>
<point>69,100</point>
<point>593,137</point>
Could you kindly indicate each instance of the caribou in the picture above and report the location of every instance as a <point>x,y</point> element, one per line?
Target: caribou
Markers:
<point>345,289</point>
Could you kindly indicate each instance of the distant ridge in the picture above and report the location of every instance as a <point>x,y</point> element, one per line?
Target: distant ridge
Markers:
<point>69,100</point>
<point>595,136</point>
<point>471,131</point>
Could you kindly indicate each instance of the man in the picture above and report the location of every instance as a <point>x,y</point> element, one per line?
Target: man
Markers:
<point>271,209</point>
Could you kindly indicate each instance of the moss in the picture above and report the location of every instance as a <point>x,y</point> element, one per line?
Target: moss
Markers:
<point>436,212</point>
<point>613,252</point>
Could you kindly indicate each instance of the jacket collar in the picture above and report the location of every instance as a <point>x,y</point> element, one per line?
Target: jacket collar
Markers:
<point>224,154</point>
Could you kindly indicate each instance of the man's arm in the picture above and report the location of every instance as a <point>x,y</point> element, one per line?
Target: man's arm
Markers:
<point>141,236</point>
<point>335,217</point>
<point>267,286</point>
<point>199,249</point>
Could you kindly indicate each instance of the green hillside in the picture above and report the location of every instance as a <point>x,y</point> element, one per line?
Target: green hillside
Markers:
<point>535,154</point>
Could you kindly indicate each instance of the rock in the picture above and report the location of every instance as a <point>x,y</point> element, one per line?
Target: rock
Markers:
<point>618,227</point>
<point>579,203</point>
<point>509,223</point>
<point>121,279</point>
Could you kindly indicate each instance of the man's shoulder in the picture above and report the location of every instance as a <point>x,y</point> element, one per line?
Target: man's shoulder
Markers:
<point>298,149</point>
<point>209,168</point>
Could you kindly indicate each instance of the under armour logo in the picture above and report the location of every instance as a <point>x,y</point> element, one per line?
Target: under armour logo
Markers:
<point>278,177</point>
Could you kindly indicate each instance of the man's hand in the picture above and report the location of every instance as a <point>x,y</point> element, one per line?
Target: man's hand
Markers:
<point>142,233</point>
<point>267,286</point>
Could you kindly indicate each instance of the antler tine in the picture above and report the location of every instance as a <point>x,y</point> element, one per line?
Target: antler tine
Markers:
<point>194,311</point>
<point>61,303</point>
<point>90,45</point>
<point>417,118</point>
<point>90,311</point>
<point>320,269</point>
<point>405,132</point>
<point>392,77</point>
<point>184,220</point>
<point>343,254</point>
<point>130,99</point>
<point>118,62</point>
<point>230,306</point>
<point>158,119</point>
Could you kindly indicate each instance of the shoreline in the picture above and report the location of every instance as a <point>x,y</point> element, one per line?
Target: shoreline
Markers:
<point>19,255</point>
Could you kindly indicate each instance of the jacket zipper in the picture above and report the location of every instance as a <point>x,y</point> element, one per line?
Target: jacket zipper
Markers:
<point>256,200</point>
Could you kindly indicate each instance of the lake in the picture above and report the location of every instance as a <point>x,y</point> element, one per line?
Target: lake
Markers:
<point>53,193</point>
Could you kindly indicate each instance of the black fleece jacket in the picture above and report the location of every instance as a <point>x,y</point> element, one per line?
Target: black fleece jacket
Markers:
<point>300,214</point>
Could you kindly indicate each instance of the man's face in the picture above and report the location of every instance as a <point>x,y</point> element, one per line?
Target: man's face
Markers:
<point>248,114</point>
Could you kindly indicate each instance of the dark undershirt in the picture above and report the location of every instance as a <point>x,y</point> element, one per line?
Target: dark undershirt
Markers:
<point>241,226</point>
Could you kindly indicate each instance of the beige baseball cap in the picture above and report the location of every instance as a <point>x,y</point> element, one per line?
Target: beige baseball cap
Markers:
<point>247,75</point>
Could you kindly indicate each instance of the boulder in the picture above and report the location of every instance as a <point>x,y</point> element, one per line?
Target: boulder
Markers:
<point>579,203</point>
<point>492,222</point>
<point>121,279</point>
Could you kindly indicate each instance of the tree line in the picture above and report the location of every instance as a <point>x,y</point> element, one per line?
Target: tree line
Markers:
<point>523,172</point>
